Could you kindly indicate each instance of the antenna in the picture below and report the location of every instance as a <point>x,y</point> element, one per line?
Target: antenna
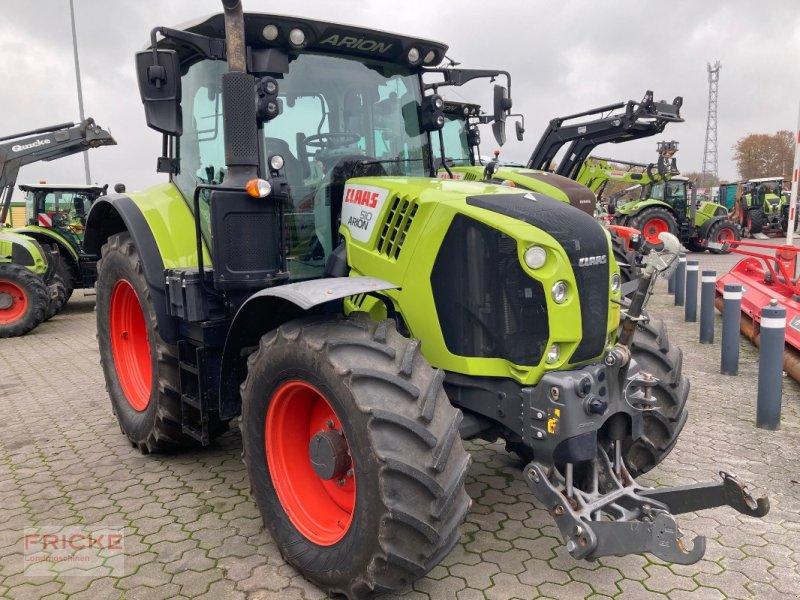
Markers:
<point>710,166</point>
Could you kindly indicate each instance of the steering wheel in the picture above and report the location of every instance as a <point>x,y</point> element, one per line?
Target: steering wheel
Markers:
<point>333,139</point>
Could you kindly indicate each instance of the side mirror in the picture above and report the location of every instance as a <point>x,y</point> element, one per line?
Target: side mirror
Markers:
<point>502,104</point>
<point>520,129</point>
<point>159,76</point>
<point>119,188</point>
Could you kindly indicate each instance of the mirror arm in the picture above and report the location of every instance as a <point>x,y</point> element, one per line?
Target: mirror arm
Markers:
<point>213,48</point>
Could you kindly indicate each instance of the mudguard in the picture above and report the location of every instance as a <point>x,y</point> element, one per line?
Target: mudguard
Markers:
<point>117,213</point>
<point>268,309</point>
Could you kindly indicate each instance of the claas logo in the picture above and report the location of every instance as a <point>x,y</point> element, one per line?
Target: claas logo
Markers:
<point>361,197</point>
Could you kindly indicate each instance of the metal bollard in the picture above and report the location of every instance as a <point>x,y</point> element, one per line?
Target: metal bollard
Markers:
<point>680,280</point>
<point>731,323</point>
<point>770,366</point>
<point>690,310</point>
<point>671,283</point>
<point>708,282</point>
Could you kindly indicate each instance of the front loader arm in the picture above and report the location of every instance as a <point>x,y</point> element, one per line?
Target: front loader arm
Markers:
<point>45,144</point>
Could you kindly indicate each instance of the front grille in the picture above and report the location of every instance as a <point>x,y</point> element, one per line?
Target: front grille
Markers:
<point>398,221</point>
<point>469,176</point>
<point>581,237</point>
<point>487,305</point>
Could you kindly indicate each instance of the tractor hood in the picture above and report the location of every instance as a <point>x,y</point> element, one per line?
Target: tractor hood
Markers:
<point>556,186</point>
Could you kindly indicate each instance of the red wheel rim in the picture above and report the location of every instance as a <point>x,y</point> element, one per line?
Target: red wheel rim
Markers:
<point>19,302</point>
<point>653,227</point>
<point>320,509</point>
<point>725,235</point>
<point>130,346</point>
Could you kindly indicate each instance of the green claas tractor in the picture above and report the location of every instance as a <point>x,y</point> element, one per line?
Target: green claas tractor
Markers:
<point>30,289</point>
<point>668,205</point>
<point>34,259</point>
<point>56,215</point>
<point>764,206</point>
<point>306,270</point>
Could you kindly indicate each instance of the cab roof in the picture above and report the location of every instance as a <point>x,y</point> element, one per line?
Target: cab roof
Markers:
<point>69,187</point>
<point>764,179</point>
<point>319,36</point>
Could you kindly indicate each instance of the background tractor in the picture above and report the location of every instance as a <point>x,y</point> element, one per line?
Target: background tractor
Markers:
<point>763,205</point>
<point>56,215</point>
<point>35,260</point>
<point>306,270</point>
<point>669,205</point>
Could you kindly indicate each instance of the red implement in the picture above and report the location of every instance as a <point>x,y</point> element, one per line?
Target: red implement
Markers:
<point>766,277</point>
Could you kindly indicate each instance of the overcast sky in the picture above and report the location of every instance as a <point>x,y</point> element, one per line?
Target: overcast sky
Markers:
<point>564,57</point>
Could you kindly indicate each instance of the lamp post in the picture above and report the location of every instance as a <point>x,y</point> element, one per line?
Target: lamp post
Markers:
<point>78,81</point>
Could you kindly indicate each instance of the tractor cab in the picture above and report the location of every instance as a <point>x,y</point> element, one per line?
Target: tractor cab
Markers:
<point>62,208</point>
<point>673,192</point>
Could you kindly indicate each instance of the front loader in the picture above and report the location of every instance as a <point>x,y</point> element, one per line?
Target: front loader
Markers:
<point>304,269</point>
<point>35,274</point>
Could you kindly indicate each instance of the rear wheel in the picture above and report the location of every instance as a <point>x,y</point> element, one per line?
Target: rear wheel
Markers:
<point>626,259</point>
<point>23,300</point>
<point>654,354</point>
<point>141,370</point>
<point>652,222</point>
<point>723,232</point>
<point>354,454</point>
<point>58,297</point>
<point>68,276</point>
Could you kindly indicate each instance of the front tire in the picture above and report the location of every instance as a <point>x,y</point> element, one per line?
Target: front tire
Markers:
<point>626,259</point>
<point>140,368</point>
<point>655,354</point>
<point>23,300</point>
<point>382,505</point>
<point>721,232</point>
<point>755,220</point>
<point>653,221</point>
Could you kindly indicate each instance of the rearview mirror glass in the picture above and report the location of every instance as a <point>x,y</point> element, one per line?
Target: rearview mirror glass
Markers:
<point>159,79</point>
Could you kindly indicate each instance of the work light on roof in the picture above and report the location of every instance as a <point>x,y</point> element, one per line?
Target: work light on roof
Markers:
<point>413,56</point>
<point>429,57</point>
<point>270,33</point>
<point>297,37</point>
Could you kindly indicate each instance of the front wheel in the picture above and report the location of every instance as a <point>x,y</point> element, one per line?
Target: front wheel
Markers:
<point>653,352</point>
<point>23,300</point>
<point>755,220</point>
<point>140,368</point>
<point>353,453</point>
<point>652,222</point>
<point>723,232</point>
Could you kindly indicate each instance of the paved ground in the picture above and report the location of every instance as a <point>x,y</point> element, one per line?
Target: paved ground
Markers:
<point>192,530</point>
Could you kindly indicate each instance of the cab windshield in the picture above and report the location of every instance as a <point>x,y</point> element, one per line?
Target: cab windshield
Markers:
<point>671,192</point>
<point>338,118</point>
<point>456,149</point>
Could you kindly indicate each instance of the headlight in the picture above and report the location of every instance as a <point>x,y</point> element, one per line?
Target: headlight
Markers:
<point>616,283</point>
<point>559,292</point>
<point>535,257</point>
<point>553,354</point>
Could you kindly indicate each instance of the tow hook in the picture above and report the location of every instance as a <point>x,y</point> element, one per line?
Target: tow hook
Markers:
<point>616,516</point>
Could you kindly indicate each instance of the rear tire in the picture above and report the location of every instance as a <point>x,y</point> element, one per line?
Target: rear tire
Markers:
<point>721,232</point>
<point>626,259</point>
<point>23,300</point>
<point>398,514</point>
<point>65,271</point>
<point>58,300</point>
<point>140,368</point>
<point>651,222</point>
<point>655,354</point>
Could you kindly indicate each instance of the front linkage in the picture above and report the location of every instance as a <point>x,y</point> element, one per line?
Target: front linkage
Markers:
<point>598,506</point>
